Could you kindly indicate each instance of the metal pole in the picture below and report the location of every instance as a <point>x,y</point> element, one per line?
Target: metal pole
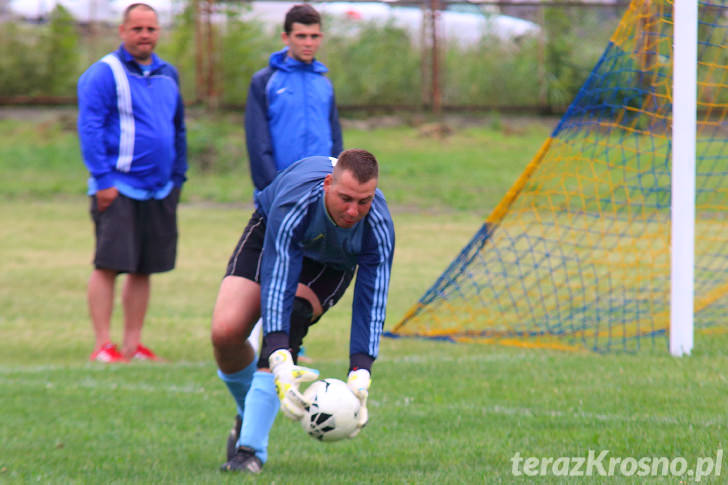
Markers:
<point>425,55</point>
<point>436,95</point>
<point>684,119</point>
<point>92,31</point>
<point>199,60</point>
<point>211,92</point>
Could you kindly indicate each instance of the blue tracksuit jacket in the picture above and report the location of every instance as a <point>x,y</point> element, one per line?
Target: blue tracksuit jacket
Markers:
<point>290,114</point>
<point>131,126</point>
<point>298,225</point>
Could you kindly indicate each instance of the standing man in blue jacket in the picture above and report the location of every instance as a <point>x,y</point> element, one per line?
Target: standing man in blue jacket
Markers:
<point>317,224</point>
<point>291,112</point>
<point>132,133</point>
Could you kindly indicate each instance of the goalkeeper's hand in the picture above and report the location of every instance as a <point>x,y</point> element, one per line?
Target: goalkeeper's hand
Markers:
<point>287,378</point>
<point>359,382</point>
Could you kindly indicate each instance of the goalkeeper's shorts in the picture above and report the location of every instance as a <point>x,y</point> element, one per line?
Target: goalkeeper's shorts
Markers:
<point>327,282</point>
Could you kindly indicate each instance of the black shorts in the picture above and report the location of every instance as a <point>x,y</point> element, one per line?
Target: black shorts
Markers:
<point>136,236</point>
<point>328,283</point>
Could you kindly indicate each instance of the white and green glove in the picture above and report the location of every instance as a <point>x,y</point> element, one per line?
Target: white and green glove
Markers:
<point>359,382</point>
<point>287,378</point>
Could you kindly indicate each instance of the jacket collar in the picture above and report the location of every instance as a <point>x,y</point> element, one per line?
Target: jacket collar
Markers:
<point>127,58</point>
<point>281,60</point>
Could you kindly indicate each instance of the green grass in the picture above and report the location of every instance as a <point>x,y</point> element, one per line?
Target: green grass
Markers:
<point>440,412</point>
<point>468,170</point>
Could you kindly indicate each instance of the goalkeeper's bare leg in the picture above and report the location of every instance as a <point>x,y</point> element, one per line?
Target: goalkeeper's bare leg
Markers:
<point>236,311</point>
<point>234,316</point>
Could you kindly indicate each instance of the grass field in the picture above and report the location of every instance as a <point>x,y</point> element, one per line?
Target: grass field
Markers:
<point>440,412</point>
<point>468,170</point>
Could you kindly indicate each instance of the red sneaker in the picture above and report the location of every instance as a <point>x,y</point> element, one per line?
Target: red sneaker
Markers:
<point>107,353</point>
<point>143,353</point>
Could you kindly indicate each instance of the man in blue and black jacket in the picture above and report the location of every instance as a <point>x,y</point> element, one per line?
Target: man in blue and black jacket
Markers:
<point>290,111</point>
<point>320,222</point>
<point>133,140</point>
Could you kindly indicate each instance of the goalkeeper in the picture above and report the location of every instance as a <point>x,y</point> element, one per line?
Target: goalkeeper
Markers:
<point>319,222</point>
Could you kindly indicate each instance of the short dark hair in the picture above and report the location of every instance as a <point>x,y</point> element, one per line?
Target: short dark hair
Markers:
<point>360,163</point>
<point>133,6</point>
<point>303,14</point>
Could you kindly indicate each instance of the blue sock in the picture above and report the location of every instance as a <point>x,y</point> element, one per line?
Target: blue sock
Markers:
<point>238,384</point>
<point>261,407</point>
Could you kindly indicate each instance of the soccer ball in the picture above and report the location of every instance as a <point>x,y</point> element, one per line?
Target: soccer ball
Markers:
<point>334,410</point>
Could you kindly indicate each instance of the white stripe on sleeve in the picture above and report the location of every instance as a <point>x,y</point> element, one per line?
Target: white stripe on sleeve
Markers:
<point>379,300</point>
<point>126,114</point>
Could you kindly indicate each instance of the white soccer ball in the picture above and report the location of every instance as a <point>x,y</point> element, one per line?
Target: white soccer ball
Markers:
<point>334,410</point>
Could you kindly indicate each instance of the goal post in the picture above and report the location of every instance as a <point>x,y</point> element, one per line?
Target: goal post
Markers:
<point>684,119</point>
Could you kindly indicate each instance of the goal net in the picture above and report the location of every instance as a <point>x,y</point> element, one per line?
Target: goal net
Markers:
<point>577,253</point>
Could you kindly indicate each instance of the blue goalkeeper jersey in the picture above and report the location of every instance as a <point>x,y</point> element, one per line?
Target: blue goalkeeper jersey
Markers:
<point>298,225</point>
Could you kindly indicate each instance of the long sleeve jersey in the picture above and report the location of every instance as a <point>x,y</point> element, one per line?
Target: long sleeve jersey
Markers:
<point>131,126</point>
<point>290,114</point>
<point>298,225</point>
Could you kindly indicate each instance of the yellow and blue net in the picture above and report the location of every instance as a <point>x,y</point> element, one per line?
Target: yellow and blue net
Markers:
<point>577,254</point>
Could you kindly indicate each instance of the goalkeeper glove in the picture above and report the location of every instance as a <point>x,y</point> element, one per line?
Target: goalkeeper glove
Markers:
<point>359,382</point>
<point>287,378</point>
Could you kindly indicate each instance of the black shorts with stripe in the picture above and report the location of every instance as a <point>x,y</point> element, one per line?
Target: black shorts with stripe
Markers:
<point>327,282</point>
